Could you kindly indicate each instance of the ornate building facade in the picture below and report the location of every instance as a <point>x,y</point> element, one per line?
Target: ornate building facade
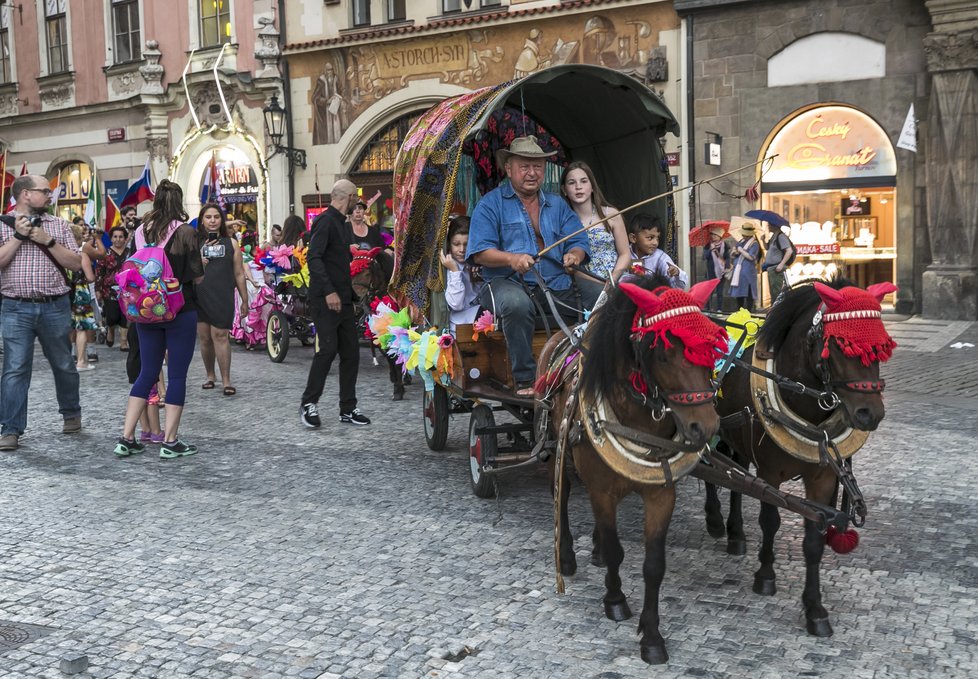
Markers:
<point>871,110</point>
<point>361,72</point>
<point>95,89</point>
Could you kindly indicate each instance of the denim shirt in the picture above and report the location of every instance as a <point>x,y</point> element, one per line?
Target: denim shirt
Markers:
<point>500,221</point>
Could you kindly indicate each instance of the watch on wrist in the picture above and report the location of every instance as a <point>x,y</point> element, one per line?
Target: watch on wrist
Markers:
<point>19,236</point>
<point>50,243</point>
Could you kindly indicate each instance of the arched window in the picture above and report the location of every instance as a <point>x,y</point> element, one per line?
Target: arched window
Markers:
<point>381,151</point>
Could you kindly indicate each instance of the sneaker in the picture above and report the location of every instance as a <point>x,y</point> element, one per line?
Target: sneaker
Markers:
<point>157,438</point>
<point>169,451</point>
<point>92,356</point>
<point>72,425</point>
<point>9,442</point>
<point>309,414</point>
<point>145,437</point>
<point>354,417</point>
<point>126,447</point>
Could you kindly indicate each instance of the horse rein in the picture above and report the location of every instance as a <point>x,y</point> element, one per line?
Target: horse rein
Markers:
<point>659,400</point>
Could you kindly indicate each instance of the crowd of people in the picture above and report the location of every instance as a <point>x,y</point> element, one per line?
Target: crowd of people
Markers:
<point>58,278</point>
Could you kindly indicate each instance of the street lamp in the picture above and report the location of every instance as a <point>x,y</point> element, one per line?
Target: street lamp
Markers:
<point>275,122</point>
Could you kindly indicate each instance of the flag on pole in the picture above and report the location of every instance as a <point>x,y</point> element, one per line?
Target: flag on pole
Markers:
<point>95,207</point>
<point>211,190</point>
<point>140,191</point>
<point>55,185</point>
<point>112,215</point>
<point>23,169</point>
<point>8,180</point>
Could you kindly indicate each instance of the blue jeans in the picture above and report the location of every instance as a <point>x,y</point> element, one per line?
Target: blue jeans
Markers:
<point>50,323</point>
<point>517,313</point>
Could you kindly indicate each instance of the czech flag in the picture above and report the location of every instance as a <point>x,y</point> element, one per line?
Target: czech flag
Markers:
<point>140,191</point>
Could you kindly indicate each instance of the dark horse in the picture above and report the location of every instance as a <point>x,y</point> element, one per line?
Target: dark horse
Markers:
<point>831,339</point>
<point>647,352</point>
<point>371,272</point>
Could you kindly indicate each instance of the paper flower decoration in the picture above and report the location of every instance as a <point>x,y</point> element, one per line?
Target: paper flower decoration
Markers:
<point>483,324</point>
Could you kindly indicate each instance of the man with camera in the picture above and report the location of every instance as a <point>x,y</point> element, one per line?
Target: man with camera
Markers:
<point>35,251</point>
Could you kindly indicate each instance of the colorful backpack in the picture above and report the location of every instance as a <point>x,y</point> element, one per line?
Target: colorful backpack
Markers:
<point>148,291</point>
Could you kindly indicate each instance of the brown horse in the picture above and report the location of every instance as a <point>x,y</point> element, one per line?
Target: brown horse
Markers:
<point>371,273</point>
<point>647,352</point>
<point>829,339</point>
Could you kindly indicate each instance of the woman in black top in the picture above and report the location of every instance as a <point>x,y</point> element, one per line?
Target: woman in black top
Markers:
<point>174,339</point>
<point>223,272</point>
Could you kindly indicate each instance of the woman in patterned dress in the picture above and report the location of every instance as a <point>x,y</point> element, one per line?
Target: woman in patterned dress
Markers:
<point>105,290</point>
<point>608,240</point>
<point>82,314</point>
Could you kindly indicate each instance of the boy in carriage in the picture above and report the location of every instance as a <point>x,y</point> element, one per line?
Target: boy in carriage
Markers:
<point>509,226</point>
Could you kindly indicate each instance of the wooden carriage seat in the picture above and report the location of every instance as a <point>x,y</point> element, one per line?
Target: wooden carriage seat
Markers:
<point>482,365</point>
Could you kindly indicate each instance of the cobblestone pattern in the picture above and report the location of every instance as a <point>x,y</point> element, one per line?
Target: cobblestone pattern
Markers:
<point>924,362</point>
<point>356,552</point>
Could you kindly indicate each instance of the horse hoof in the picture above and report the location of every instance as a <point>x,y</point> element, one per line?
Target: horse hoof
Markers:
<point>737,547</point>
<point>655,655</point>
<point>398,396</point>
<point>716,529</point>
<point>597,559</point>
<point>764,586</point>
<point>568,566</point>
<point>819,627</point>
<point>618,612</point>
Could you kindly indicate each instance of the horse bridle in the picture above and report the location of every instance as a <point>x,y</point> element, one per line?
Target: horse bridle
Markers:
<point>815,339</point>
<point>659,400</point>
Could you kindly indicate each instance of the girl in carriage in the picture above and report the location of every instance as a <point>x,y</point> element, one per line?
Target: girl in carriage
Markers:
<point>463,284</point>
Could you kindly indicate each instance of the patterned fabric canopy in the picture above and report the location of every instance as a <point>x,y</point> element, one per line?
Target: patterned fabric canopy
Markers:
<point>425,172</point>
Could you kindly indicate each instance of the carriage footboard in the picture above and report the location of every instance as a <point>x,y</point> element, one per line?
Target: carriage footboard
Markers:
<point>721,471</point>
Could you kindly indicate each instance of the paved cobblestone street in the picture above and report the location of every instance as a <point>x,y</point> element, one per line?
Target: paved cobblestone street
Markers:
<point>357,552</point>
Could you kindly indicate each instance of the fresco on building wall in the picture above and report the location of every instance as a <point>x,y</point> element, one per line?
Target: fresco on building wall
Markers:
<point>347,81</point>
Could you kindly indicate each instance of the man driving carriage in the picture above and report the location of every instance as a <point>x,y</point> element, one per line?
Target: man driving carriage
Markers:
<point>510,225</point>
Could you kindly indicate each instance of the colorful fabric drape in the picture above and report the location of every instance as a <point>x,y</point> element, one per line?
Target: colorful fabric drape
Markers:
<point>425,172</point>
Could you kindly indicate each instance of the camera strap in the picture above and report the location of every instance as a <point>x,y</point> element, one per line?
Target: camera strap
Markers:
<point>64,274</point>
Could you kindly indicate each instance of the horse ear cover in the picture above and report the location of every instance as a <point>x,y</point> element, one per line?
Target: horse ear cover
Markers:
<point>858,337</point>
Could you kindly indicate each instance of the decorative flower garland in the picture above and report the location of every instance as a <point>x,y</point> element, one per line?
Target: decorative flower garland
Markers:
<point>428,352</point>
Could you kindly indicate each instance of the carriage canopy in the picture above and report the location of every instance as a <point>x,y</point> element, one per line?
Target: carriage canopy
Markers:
<point>603,117</point>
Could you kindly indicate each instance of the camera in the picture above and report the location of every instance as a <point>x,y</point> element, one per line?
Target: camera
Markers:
<point>213,251</point>
<point>35,220</point>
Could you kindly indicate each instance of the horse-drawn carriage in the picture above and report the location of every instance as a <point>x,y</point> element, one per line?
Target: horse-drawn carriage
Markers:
<point>631,399</point>
<point>609,120</point>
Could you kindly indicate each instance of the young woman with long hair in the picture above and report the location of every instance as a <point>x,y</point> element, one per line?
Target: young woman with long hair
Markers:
<point>608,241</point>
<point>174,339</point>
<point>223,272</point>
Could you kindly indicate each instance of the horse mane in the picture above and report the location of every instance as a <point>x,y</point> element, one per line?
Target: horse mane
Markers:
<point>608,338</point>
<point>796,303</point>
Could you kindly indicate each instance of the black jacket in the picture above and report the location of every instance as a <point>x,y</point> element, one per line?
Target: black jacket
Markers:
<point>329,256</point>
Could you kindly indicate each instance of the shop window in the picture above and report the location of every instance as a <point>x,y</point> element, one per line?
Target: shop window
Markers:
<point>381,151</point>
<point>4,47</point>
<point>361,13</point>
<point>125,26</point>
<point>75,180</point>
<point>396,10</point>
<point>215,22</point>
<point>56,31</point>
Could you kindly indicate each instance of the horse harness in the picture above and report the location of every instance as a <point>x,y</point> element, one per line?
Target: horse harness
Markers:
<point>834,441</point>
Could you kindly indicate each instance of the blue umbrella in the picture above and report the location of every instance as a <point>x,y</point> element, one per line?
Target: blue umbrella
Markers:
<point>772,218</point>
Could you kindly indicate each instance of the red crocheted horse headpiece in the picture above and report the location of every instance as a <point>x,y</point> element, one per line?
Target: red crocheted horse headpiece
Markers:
<point>361,259</point>
<point>668,310</point>
<point>853,318</point>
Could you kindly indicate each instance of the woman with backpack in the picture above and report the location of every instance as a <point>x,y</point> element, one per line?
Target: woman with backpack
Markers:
<point>172,334</point>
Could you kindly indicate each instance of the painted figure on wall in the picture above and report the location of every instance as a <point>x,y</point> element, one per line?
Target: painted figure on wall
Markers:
<point>529,60</point>
<point>331,109</point>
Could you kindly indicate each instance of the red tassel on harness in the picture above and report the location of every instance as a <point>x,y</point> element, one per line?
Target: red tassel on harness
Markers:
<point>638,383</point>
<point>841,543</point>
